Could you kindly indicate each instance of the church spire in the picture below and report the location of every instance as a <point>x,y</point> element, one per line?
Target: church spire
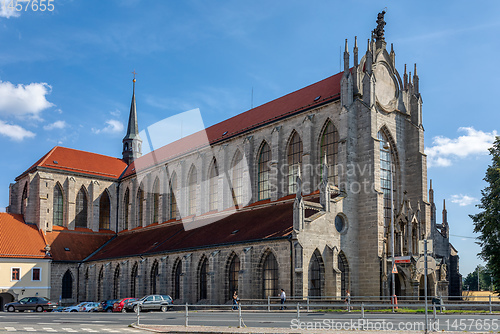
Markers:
<point>132,142</point>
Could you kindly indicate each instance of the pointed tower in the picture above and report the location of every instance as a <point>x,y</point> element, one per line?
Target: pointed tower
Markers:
<point>132,143</point>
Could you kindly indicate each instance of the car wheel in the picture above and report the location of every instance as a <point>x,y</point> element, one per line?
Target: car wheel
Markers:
<point>164,308</point>
<point>73,310</point>
<point>11,308</point>
<point>39,309</point>
<point>109,310</point>
<point>136,308</point>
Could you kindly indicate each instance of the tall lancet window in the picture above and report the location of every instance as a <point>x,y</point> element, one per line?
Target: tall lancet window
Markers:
<point>213,185</point>
<point>192,183</point>
<point>237,179</point>
<point>386,176</point>
<point>24,199</point>
<point>329,147</point>
<point>126,212</point>
<point>57,209</point>
<point>104,211</point>
<point>294,162</point>
<point>140,206</point>
<point>263,172</point>
<point>81,209</point>
<point>156,201</point>
<point>174,211</point>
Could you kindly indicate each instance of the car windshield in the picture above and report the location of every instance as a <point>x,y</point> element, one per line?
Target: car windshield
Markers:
<point>43,299</point>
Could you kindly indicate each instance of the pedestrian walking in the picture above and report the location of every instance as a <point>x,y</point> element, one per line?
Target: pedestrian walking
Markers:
<point>235,300</point>
<point>283,299</point>
<point>348,300</point>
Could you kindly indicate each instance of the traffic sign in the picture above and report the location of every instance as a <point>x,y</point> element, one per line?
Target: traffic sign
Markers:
<point>431,264</point>
<point>421,246</point>
<point>394,269</point>
<point>402,259</point>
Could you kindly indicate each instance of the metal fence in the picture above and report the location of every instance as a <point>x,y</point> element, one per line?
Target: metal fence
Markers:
<point>358,304</point>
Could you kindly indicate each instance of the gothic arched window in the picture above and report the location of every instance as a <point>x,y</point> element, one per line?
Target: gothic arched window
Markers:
<point>344,273</point>
<point>116,283</point>
<point>133,280</point>
<point>174,211</point>
<point>233,275</point>
<point>104,211</point>
<point>213,185</point>
<point>58,207</point>
<point>264,171</point>
<point>203,279</point>
<point>126,212</point>
<point>315,276</point>
<point>154,278</point>
<point>270,276</point>
<point>386,176</point>
<point>140,206</point>
<point>177,279</point>
<point>192,183</point>
<point>81,209</point>
<point>237,179</point>
<point>156,200</point>
<point>24,199</point>
<point>294,162</point>
<point>329,147</point>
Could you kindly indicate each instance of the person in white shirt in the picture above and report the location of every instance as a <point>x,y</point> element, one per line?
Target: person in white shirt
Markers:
<point>283,299</point>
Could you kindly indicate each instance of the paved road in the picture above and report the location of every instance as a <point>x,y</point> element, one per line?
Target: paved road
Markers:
<point>29,322</point>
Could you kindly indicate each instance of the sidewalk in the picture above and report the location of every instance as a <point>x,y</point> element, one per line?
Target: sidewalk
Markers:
<point>259,330</point>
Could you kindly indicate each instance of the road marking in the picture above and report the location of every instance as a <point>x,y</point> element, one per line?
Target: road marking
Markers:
<point>10,329</point>
<point>29,329</point>
<point>48,329</point>
<point>71,330</point>
<point>89,330</point>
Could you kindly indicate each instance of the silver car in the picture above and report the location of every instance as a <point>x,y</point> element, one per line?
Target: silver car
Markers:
<point>153,302</point>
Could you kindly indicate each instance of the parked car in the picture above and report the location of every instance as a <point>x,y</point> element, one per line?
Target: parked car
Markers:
<point>74,308</point>
<point>89,307</point>
<point>38,304</point>
<point>153,302</point>
<point>106,305</point>
<point>119,306</point>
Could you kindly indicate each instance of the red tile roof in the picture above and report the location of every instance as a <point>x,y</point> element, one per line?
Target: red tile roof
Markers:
<point>311,96</point>
<point>80,244</point>
<point>259,223</point>
<point>18,239</point>
<point>70,160</point>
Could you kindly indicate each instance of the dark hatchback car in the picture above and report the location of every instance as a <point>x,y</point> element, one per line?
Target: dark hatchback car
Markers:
<point>152,302</point>
<point>106,305</point>
<point>38,304</point>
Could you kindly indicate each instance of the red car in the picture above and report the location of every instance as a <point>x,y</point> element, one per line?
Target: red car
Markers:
<point>119,306</point>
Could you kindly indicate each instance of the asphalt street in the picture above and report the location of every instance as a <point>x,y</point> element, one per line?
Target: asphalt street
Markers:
<point>47,322</point>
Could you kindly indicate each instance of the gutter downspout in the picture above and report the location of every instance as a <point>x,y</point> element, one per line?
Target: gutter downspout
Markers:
<point>291,266</point>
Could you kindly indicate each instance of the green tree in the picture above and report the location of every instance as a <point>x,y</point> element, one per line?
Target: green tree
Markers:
<point>487,222</point>
<point>470,282</point>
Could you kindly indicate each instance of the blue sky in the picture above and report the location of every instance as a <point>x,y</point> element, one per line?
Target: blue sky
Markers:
<point>65,75</point>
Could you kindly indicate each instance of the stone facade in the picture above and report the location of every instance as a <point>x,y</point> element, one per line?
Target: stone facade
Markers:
<point>344,244</point>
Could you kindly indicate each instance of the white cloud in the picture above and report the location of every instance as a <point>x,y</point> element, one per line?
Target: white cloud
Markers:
<point>7,12</point>
<point>113,126</point>
<point>463,200</point>
<point>55,125</point>
<point>445,150</point>
<point>115,113</point>
<point>14,132</point>
<point>24,100</point>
